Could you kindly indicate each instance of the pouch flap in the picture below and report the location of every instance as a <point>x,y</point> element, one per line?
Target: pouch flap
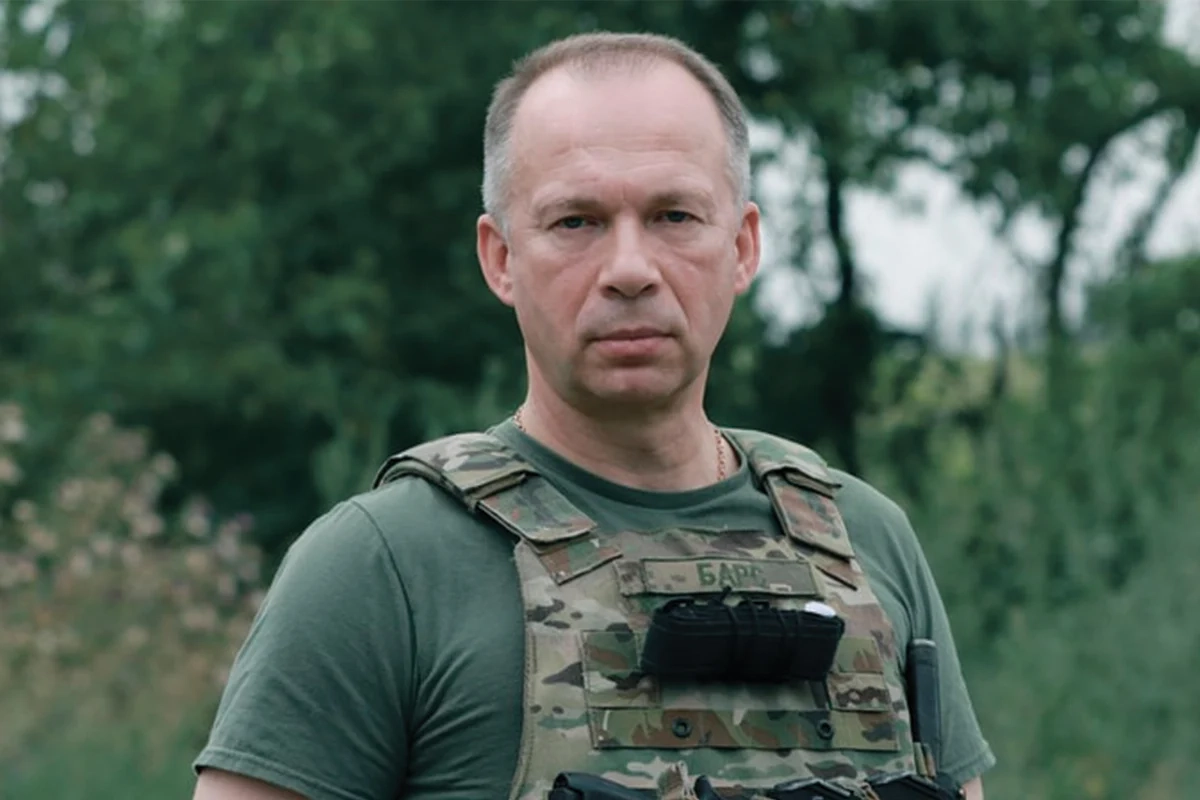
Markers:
<point>858,691</point>
<point>610,671</point>
<point>858,654</point>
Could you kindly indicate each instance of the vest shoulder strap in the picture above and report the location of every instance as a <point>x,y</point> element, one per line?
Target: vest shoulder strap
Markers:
<point>489,477</point>
<point>801,488</point>
<point>769,454</point>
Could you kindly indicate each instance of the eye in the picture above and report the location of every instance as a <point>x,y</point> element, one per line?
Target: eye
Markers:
<point>676,216</point>
<point>571,223</point>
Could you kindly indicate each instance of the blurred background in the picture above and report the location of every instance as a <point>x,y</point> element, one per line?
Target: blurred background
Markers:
<point>237,270</point>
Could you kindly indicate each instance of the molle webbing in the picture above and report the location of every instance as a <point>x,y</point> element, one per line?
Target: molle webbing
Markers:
<point>589,706</point>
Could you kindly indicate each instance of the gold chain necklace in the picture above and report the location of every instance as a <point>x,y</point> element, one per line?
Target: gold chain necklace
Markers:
<point>720,440</point>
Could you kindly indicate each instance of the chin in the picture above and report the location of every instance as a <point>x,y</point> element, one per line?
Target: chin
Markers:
<point>641,388</point>
<point>634,395</point>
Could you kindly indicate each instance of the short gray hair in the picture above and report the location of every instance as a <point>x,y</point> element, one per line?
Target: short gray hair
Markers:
<point>603,52</point>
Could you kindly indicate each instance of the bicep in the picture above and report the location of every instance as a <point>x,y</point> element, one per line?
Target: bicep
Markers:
<point>318,697</point>
<point>216,784</point>
<point>973,789</point>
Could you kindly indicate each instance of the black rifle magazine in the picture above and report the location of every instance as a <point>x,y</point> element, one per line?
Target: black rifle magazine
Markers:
<point>752,641</point>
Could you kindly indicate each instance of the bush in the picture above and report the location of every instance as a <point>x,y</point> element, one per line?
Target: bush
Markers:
<point>116,617</point>
<point>1067,545</point>
<point>1095,699</point>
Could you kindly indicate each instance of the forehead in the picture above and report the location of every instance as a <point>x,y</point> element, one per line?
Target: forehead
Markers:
<point>621,127</point>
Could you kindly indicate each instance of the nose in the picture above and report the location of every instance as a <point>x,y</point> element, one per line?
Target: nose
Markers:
<point>630,271</point>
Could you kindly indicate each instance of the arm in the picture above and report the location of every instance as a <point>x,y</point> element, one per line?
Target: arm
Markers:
<point>215,784</point>
<point>964,753</point>
<point>895,563</point>
<point>318,696</point>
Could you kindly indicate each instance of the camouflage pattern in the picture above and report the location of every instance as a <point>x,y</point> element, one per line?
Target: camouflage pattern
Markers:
<point>588,596</point>
<point>675,783</point>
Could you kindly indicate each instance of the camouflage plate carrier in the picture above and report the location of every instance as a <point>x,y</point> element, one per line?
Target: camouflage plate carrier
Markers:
<point>588,595</point>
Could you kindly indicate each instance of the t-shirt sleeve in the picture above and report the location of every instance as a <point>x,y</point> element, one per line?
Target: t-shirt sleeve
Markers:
<point>316,697</point>
<point>965,754</point>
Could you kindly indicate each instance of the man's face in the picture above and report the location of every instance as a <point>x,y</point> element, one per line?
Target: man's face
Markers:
<point>625,250</point>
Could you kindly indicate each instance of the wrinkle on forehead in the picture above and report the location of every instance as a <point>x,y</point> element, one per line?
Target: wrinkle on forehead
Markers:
<point>597,129</point>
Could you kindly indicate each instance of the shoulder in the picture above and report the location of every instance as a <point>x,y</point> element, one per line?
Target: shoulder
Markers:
<point>434,487</point>
<point>433,478</point>
<point>436,543</point>
<point>367,523</point>
<point>890,553</point>
<point>880,530</point>
<point>406,501</point>
<point>861,504</point>
<point>878,527</point>
<point>383,537</point>
<point>866,509</point>
<point>420,522</point>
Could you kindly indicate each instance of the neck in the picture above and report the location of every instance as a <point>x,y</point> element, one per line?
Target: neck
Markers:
<point>672,453</point>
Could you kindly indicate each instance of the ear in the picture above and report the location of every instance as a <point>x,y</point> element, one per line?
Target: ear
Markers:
<point>748,247</point>
<point>492,250</point>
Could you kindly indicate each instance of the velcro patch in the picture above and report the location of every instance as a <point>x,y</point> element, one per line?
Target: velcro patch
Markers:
<point>790,578</point>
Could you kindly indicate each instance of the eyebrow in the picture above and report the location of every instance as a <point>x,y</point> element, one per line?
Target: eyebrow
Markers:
<point>566,206</point>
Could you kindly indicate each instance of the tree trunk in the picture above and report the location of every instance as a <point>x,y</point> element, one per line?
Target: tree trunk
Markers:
<point>1055,276</point>
<point>846,377</point>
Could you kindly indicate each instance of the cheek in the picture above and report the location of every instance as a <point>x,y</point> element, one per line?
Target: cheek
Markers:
<point>548,301</point>
<point>705,287</point>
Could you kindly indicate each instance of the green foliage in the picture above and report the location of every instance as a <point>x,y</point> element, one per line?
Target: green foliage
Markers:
<point>135,758</point>
<point>265,239</point>
<point>1070,569</point>
<point>1066,692</point>
<point>249,224</point>
<point>115,614</point>
<point>246,230</point>
<point>1066,541</point>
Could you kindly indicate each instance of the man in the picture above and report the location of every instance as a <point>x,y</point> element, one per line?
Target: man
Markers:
<point>473,625</point>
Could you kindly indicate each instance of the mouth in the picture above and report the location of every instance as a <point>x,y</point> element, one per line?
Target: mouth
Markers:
<point>632,346</point>
<point>632,335</point>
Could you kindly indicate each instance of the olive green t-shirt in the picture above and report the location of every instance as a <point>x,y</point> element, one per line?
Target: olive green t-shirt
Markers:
<point>387,658</point>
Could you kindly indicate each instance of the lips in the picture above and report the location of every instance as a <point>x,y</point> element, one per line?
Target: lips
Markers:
<point>632,334</point>
<point>632,346</point>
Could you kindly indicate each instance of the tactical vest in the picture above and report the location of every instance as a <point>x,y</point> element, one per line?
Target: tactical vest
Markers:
<point>588,595</point>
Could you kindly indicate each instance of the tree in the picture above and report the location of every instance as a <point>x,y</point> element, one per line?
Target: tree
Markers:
<point>248,227</point>
<point>1032,97</point>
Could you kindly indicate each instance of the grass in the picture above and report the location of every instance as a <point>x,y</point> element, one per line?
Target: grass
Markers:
<point>132,760</point>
